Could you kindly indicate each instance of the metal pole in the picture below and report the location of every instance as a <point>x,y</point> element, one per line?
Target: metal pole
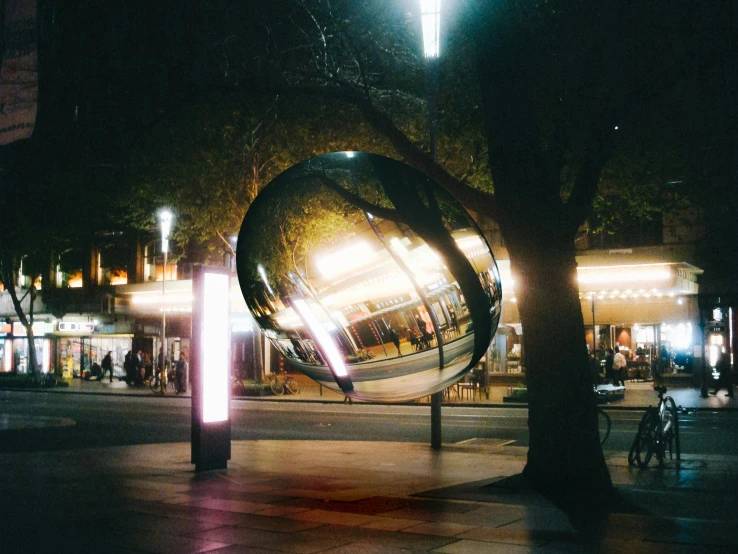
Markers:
<point>677,444</point>
<point>594,340</point>
<point>436,441</point>
<point>163,328</point>
<point>437,398</point>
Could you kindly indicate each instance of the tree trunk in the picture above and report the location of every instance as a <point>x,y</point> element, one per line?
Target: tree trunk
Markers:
<point>32,363</point>
<point>565,460</point>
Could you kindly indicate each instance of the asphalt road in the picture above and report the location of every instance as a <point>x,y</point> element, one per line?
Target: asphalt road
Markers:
<point>35,421</point>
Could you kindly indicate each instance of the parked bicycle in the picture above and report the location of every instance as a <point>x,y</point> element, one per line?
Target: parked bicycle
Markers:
<point>237,386</point>
<point>286,383</point>
<point>155,383</point>
<point>45,379</point>
<point>657,431</point>
<point>364,354</point>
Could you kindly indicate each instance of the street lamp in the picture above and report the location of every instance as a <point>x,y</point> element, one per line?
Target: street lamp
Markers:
<point>430,13</point>
<point>430,17</point>
<point>165,221</point>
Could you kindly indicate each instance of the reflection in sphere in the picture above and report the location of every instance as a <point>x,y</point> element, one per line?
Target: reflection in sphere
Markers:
<point>368,277</point>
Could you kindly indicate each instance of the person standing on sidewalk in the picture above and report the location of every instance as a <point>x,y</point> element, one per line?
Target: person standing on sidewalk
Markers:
<point>609,361</point>
<point>726,379</point>
<point>129,367</point>
<point>181,369</point>
<point>395,340</point>
<point>619,365</point>
<point>107,365</point>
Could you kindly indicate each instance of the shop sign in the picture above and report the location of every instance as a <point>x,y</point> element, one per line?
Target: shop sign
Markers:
<point>76,327</point>
<point>39,328</point>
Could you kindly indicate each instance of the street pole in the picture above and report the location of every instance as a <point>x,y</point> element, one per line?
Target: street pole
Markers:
<point>165,219</point>
<point>430,13</point>
<point>163,327</point>
<point>594,340</point>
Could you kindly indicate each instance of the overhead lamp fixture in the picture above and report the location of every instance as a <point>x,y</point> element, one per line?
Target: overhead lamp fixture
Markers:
<point>430,13</point>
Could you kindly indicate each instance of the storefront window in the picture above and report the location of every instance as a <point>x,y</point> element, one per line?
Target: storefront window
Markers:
<point>73,353</point>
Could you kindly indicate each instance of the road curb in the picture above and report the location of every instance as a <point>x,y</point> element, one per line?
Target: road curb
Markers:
<point>609,407</point>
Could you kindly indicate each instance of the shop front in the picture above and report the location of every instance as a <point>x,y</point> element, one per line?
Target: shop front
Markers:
<point>15,351</point>
<point>77,345</point>
<point>647,310</point>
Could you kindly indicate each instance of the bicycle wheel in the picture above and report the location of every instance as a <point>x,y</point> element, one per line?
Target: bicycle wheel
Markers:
<point>604,425</point>
<point>668,427</point>
<point>668,415</point>
<point>276,386</point>
<point>646,443</point>
<point>237,387</point>
<point>155,384</point>
<point>292,385</point>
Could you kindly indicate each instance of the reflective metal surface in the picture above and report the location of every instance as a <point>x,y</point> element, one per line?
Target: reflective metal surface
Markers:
<point>345,256</point>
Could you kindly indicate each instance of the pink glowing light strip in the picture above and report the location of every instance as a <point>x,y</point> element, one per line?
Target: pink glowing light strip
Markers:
<point>214,363</point>
<point>327,346</point>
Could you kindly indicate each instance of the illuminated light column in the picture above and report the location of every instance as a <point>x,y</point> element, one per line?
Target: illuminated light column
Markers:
<point>210,368</point>
<point>165,220</point>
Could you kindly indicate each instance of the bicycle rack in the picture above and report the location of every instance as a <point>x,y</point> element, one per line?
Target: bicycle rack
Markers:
<point>676,436</point>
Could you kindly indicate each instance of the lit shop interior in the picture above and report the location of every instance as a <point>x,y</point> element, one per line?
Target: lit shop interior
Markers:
<point>72,346</point>
<point>648,310</point>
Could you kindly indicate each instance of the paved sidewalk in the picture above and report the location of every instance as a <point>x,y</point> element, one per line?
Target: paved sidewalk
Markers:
<point>637,395</point>
<point>345,497</point>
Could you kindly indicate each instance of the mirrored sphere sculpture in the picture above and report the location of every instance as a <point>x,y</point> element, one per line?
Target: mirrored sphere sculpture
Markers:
<point>368,277</point>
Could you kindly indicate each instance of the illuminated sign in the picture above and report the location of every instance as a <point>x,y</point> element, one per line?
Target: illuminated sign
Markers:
<point>75,327</point>
<point>39,328</point>
<point>211,368</point>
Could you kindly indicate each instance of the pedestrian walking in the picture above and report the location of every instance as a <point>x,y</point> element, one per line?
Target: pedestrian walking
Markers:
<point>619,365</point>
<point>609,367</point>
<point>129,367</point>
<point>138,375</point>
<point>725,381</point>
<point>395,340</point>
<point>454,321</point>
<point>181,373</point>
<point>107,365</point>
<point>160,360</point>
<point>148,367</point>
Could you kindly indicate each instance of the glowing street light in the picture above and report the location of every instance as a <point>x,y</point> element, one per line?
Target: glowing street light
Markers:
<point>165,222</point>
<point>430,13</point>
